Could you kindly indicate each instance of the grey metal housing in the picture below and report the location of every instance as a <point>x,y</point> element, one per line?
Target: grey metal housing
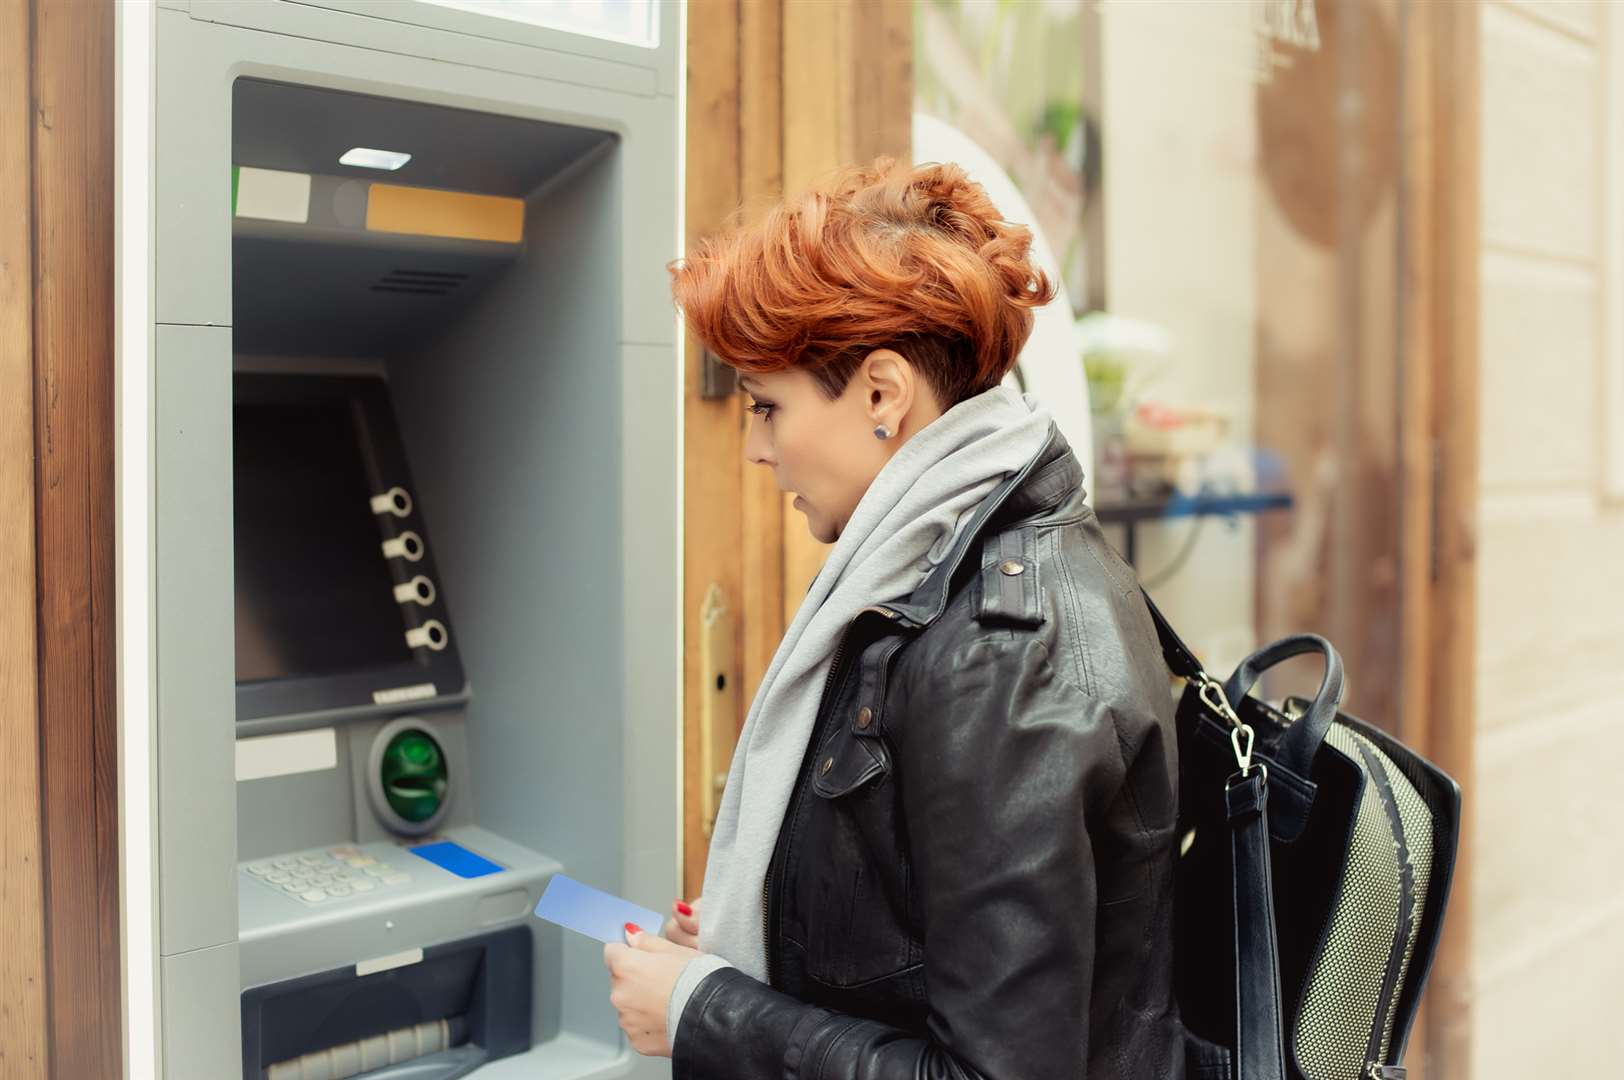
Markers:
<point>542,420</point>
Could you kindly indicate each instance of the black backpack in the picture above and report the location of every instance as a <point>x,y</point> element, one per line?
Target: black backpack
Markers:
<point>1314,870</point>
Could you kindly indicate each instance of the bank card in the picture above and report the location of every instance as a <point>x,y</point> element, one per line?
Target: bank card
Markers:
<point>593,912</point>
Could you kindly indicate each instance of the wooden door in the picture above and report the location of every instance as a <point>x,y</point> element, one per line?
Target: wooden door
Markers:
<point>779,91</point>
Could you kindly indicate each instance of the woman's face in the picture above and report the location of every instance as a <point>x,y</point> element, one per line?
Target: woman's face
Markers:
<point>825,451</point>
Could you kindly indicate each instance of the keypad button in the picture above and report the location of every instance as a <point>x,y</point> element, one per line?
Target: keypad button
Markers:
<point>315,896</point>
<point>379,869</point>
<point>260,869</point>
<point>286,862</point>
<point>337,891</point>
<point>303,872</point>
<point>396,879</point>
<point>312,860</point>
<point>322,879</point>
<point>359,861</point>
<point>362,885</point>
<point>279,877</point>
<point>344,852</point>
<point>294,887</point>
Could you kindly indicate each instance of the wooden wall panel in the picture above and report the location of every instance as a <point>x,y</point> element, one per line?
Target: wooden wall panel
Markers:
<point>779,92</point>
<point>73,339</point>
<point>712,433</point>
<point>882,80</point>
<point>848,98</point>
<point>761,182</point>
<point>23,1050</point>
<point>1416,447</point>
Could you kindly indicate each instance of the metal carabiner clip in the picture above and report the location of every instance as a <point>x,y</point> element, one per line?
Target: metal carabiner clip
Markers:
<point>1243,755</point>
<point>1212,693</point>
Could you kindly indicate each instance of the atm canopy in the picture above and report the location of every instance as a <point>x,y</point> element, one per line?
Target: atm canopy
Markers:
<point>323,273</point>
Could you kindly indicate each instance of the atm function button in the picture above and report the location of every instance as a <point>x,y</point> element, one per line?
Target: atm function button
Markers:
<point>361,885</point>
<point>396,879</point>
<point>359,861</point>
<point>260,869</point>
<point>314,896</point>
<point>344,852</point>
<point>379,869</point>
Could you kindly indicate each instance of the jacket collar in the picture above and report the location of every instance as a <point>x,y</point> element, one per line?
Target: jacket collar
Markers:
<point>1052,477</point>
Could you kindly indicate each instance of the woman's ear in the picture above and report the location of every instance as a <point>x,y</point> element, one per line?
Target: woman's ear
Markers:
<point>889,384</point>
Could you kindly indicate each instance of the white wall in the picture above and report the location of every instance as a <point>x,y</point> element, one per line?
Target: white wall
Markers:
<point>1548,862</point>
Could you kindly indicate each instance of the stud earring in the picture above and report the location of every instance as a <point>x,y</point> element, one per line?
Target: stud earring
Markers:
<point>882,432</point>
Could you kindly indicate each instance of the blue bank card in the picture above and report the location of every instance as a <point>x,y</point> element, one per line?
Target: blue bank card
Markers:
<point>593,912</point>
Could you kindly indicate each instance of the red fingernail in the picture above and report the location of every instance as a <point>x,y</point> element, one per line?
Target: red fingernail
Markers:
<point>684,908</point>
<point>633,928</point>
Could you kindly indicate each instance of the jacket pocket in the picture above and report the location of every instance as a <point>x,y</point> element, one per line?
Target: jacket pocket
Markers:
<point>855,877</point>
<point>848,762</point>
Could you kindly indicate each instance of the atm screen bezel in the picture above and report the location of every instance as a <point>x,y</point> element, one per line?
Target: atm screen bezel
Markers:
<point>383,457</point>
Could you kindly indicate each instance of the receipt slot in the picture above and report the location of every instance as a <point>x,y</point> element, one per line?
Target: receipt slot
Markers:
<point>413,604</point>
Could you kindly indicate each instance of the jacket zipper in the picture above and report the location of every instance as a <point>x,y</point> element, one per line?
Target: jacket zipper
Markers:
<point>780,849</point>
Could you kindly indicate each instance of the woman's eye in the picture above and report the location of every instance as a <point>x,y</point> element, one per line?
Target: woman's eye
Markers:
<point>762,409</point>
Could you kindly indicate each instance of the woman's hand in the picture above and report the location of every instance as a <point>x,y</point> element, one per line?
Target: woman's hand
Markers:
<point>642,975</point>
<point>683,926</point>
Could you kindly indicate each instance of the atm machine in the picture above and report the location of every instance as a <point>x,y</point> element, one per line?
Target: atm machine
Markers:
<point>414,403</point>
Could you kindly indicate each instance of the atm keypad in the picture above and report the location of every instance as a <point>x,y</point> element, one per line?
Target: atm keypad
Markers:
<point>324,876</point>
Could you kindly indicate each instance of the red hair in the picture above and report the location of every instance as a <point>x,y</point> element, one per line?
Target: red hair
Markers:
<point>874,256</point>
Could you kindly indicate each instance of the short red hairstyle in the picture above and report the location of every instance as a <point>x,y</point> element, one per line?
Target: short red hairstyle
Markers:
<point>874,256</point>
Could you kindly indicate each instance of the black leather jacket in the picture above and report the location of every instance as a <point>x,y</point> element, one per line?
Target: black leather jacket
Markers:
<point>973,877</point>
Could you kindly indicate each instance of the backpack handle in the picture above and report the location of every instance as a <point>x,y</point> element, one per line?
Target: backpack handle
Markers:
<point>1302,740</point>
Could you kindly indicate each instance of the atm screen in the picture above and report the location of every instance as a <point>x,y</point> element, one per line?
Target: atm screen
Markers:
<point>313,592</point>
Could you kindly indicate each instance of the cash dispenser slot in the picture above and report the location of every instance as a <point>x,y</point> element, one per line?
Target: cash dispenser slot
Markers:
<point>464,1003</point>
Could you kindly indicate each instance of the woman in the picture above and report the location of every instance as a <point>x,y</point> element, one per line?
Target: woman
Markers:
<point>945,848</point>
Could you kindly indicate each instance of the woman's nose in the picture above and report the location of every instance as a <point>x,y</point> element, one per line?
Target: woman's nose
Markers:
<point>757,447</point>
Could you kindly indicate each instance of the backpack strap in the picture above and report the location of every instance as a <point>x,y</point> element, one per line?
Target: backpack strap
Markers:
<point>1177,654</point>
<point>1259,1028</point>
<point>1259,1046</point>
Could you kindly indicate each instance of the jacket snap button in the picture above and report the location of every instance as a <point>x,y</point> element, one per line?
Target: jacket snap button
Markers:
<point>828,763</point>
<point>1013,567</point>
<point>864,717</point>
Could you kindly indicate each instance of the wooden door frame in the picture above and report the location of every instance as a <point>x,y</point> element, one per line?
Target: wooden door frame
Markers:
<point>22,908</point>
<point>1440,260</point>
<point>60,975</point>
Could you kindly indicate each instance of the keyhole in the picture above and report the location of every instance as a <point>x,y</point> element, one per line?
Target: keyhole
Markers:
<point>721,682</point>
